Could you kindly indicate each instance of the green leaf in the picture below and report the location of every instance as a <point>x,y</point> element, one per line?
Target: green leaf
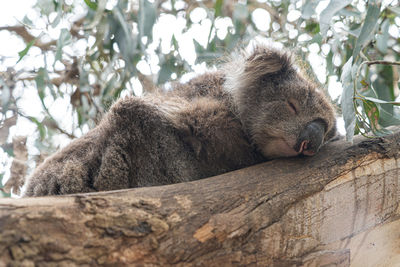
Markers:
<point>312,27</point>
<point>395,10</point>
<point>40,82</point>
<point>46,6</point>
<point>22,53</point>
<point>110,85</point>
<point>240,12</point>
<point>382,39</point>
<point>372,112</point>
<point>41,128</point>
<point>9,149</point>
<point>198,48</point>
<point>175,42</point>
<point>91,5</point>
<point>5,95</point>
<point>349,13</point>
<point>329,63</point>
<point>98,15</point>
<point>388,119</point>
<point>2,193</point>
<point>383,86</point>
<point>380,101</point>
<point>80,117</point>
<point>59,7</point>
<point>27,21</point>
<point>368,28</point>
<point>147,18</point>
<point>64,39</point>
<point>309,8</point>
<point>124,38</point>
<point>349,115</point>
<point>218,8</point>
<point>164,74</point>
<point>326,15</point>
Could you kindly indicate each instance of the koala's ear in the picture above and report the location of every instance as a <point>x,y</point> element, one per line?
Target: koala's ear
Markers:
<point>267,61</point>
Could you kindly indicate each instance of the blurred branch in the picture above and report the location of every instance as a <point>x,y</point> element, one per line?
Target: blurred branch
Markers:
<point>18,167</point>
<point>27,37</point>
<point>44,46</point>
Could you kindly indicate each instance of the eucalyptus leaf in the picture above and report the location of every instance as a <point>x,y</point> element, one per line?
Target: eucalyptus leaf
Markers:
<point>91,4</point>
<point>382,39</point>
<point>240,12</point>
<point>368,28</point>
<point>396,10</point>
<point>165,73</point>
<point>383,86</point>
<point>376,100</point>
<point>40,126</point>
<point>27,21</point>
<point>5,95</point>
<point>309,8</point>
<point>40,80</point>
<point>349,13</point>
<point>99,13</point>
<point>64,39</point>
<point>326,15</point>
<point>218,8</point>
<point>124,38</point>
<point>23,53</point>
<point>349,115</point>
<point>147,18</point>
<point>46,7</point>
<point>198,47</point>
<point>59,7</point>
<point>387,118</point>
<point>372,112</point>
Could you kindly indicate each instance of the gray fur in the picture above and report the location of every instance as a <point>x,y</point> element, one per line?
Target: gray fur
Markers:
<point>217,122</point>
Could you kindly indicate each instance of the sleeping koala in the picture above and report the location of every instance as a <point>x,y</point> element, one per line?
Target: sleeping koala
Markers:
<point>258,106</point>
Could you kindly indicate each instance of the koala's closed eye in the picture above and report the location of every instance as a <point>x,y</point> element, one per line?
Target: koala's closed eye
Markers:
<point>292,106</point>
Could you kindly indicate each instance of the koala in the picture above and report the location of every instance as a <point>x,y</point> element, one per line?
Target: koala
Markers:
<point>258,106</point>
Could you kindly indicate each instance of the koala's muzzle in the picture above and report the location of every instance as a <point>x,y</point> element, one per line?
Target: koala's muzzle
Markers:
<point>310,138</point>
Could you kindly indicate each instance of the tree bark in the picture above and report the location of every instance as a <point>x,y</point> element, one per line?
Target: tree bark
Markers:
<point>338,208</point>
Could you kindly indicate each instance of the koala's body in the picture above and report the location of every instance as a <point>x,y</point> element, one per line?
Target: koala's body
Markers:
<point>257,107</point>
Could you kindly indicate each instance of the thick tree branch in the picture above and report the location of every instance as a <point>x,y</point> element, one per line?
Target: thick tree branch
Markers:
<point>338,208</point>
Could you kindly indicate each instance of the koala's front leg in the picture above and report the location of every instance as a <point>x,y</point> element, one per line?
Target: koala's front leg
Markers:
<point>121,152</point>
<point>133,124</point>
<point>114,170</point>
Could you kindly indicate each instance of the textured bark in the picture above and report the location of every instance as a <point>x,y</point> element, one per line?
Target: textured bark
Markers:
<point>338,208</point>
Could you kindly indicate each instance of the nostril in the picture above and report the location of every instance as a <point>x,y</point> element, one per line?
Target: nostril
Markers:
<point>303,146</point>
<point>306,148</point>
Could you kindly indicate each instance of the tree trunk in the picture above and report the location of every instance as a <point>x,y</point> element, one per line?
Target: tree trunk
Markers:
<point>338,208</point>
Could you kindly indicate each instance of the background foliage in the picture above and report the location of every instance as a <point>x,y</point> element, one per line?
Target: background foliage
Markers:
<point>80,56</point>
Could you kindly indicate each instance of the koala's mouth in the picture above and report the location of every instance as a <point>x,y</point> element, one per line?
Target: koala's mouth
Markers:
<point>279,148</point>
<point>282,148</point>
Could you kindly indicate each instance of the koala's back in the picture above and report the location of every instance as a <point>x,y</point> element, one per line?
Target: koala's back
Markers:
<point>154,140</point>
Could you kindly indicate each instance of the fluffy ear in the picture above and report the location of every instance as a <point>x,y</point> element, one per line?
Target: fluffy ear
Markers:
<point>246,68</point>
<point>267,61</point>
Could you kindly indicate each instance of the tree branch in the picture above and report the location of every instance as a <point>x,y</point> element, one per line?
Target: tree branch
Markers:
<point>312,211</point>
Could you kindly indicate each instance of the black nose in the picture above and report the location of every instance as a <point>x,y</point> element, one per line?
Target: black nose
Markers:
<point>310,138</point>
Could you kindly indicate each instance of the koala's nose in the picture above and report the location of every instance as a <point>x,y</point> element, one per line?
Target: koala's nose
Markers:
<point>310,139</point>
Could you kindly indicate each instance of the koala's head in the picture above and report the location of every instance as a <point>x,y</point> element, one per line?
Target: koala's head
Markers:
<point>281,110</point>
